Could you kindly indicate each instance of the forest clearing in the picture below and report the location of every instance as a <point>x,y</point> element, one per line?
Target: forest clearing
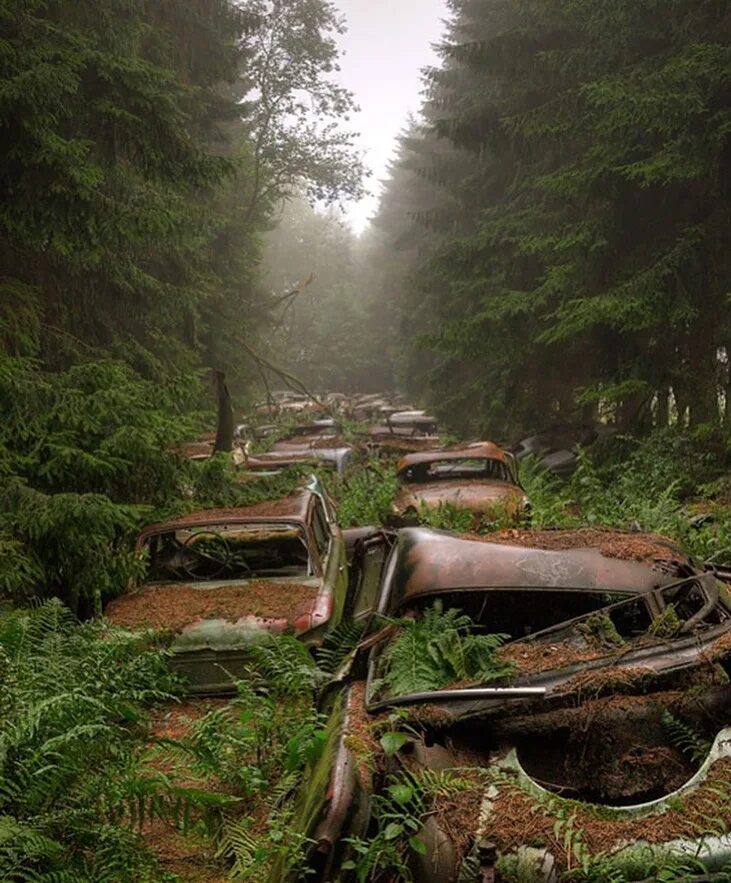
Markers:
<point>363,535</point>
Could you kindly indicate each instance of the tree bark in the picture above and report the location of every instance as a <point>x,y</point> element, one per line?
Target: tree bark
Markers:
<point>662,407</point>
<point>225,428</point>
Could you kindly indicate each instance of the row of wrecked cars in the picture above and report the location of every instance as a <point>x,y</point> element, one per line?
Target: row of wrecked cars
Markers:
<point>518,701</point>
<point>479,477</point>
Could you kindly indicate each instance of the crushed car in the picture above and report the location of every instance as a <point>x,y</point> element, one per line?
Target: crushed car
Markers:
<point>480,477</point>
<point>218,580</point>
<point>520,709</point>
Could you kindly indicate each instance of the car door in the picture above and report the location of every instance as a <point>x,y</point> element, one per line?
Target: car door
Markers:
<point>331,550</point>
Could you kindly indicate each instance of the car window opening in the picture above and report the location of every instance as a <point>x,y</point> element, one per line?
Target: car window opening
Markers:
<point>629,758</point>
<point>228,552</point>
<point>477,469</point>
<point>521,613</point>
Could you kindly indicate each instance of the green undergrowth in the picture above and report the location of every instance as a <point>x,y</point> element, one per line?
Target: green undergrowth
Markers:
<point>669,483</point>
<point>80,778</point>
<point>254,750</point>
<point>72,726</point>
<point>366,494</point>
<point>87,457</point>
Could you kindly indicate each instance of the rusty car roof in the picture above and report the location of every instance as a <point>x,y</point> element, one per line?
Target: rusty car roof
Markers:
<point>427,562</point>
<point>485,450</point>
<point>292,508</point>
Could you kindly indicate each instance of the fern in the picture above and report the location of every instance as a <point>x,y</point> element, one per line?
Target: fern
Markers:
<point>686,738</point>
<point>439,649</point>
<point>70,734</point>
<point>339,644</point>
<point>286,667</point>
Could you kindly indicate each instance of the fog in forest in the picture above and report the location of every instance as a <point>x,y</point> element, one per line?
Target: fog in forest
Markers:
<point>365,441</point>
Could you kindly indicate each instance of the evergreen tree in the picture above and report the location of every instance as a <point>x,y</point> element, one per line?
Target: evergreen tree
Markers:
<point>589,267</point>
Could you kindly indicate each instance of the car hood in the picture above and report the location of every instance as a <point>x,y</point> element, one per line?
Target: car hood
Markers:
<point>477,496</point>
<point>223,614</point>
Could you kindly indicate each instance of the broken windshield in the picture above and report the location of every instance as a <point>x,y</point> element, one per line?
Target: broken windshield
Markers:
<point>221,552</point>
<point>522,612</point>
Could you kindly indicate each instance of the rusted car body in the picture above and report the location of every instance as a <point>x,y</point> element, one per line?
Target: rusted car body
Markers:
<point>406,423</point>
<point>338,458</point>
<point>479,477</point>
<point>204,449</point>
<point>310,444</point>
<point>606,653</point>
<point>219,580</point>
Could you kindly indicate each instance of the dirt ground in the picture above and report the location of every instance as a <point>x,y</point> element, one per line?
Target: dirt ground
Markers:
<point>191,856</point>
<point>175,606</point>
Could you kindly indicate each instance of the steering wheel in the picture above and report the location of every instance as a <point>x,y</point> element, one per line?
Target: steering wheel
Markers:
<point>222,560</point>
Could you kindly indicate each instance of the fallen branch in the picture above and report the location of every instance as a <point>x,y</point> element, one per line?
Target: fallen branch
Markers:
<point>294,383</point>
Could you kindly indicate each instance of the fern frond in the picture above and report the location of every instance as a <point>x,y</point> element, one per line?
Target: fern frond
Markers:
<point>339,644</point>
<point>686,738</point>
<point>439,649</point>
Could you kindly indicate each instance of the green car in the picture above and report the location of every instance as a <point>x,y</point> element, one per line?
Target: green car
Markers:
<point>220,579</point>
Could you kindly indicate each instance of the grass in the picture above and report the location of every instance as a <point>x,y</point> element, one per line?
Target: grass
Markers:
<point>366,494</point>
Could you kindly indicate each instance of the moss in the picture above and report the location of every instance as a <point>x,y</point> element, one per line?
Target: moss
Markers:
<point>667,624</point>
<point>599,627</point>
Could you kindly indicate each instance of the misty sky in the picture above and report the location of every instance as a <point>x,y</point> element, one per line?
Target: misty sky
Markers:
<point>387,43</point>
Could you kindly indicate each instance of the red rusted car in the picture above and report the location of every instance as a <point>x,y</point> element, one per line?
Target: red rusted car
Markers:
<point>481,478</point>
<point>219,579</point>
<point>522,707</point>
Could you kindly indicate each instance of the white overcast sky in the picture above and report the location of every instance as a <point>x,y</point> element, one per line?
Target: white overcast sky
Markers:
<point>387,44</point>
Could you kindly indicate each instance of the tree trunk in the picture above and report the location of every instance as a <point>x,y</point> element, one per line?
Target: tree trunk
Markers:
<point>635,414</point>
<point>225,428</point>
<point>662,407</point>
<point>704,398</point>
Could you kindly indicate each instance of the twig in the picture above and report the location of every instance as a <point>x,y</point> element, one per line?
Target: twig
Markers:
<point>292,382</point>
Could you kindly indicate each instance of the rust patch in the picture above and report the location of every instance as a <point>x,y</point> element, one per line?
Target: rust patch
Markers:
<point>486,450</point>
<point>173,607</point>
<point>625,545</point>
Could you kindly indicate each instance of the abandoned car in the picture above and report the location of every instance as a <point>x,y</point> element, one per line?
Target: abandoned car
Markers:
<point>337,457</point>
<point>310,444</point>
<point>205,449</point>
<point>220,579</point>
<point>514,711</point>
<point>479,477</point>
